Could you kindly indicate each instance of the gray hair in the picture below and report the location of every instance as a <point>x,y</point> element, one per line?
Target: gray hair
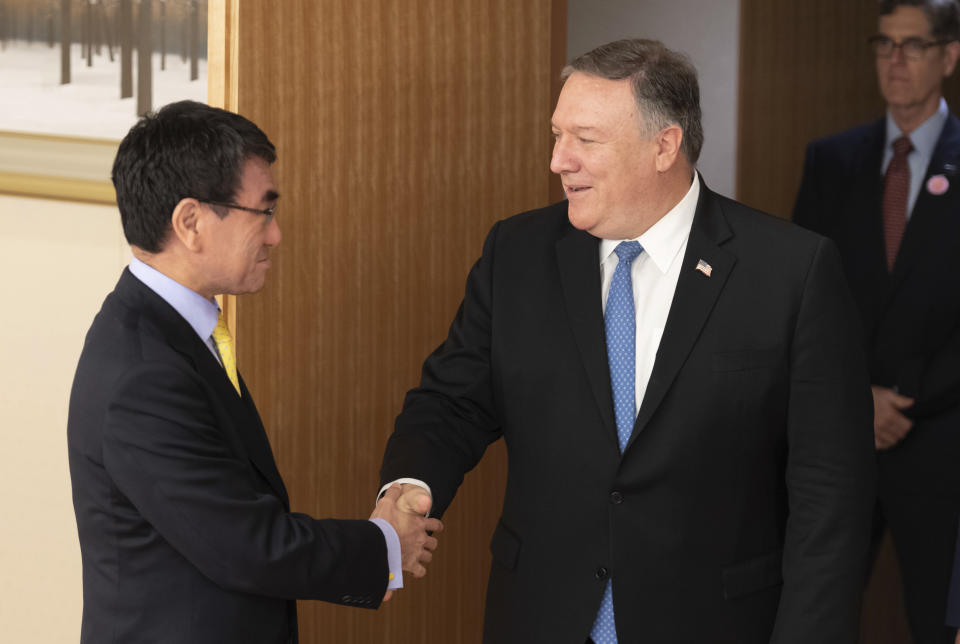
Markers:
<point>664,84</point>
<point>944,15</point>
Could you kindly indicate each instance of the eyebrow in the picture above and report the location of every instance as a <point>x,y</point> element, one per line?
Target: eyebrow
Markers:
<point>577,128</point>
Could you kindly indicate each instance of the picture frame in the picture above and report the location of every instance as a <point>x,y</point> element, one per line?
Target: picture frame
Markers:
<point>57,167</point>
<point>76,167</point>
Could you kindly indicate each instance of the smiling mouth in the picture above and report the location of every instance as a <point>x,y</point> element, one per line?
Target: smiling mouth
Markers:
<point>575,189</point>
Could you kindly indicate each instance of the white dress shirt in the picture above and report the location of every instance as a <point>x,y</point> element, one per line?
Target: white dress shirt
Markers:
<point>654,273</point>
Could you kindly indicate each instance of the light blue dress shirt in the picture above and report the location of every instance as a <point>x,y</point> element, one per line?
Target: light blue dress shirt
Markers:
<point>924,140</point>
<point>201,314</point>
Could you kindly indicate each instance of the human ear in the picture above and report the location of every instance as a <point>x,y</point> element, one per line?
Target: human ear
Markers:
<point>669,141</point>
<point>185,222</point>
<point>951,51</point>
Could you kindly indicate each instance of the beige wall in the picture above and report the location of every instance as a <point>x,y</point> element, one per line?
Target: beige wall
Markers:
<point>57,261</point>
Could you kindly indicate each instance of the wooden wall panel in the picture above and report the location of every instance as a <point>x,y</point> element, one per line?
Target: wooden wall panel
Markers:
<point>404,130</point>
<point>805,72</point>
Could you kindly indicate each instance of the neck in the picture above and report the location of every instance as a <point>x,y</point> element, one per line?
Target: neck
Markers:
<point>675,189</point>
<point>165,262</point>
<point>910,117</point>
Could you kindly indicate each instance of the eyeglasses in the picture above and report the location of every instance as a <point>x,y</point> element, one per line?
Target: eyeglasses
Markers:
<point>260,211</point>
<point>913,48</point>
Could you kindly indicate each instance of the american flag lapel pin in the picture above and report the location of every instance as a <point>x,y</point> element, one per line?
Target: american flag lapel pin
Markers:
<point>704,268</point>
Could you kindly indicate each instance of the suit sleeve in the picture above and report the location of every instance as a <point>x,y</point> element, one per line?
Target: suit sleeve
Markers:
<point>448,421</point>
<point>831,472</point>
<point>166,454</point>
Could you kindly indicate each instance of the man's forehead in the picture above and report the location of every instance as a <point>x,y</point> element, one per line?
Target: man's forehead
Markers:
<point>592,99</point>
<point>905,21</point>
<point>257,178</point>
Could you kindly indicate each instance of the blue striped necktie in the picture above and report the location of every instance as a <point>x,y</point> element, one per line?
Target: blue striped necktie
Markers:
<point>620,322</point>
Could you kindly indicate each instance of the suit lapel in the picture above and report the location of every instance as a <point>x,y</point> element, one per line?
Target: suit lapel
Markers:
<point>245,419</point>
<point>693,300</point>
<point>926,222</point>
<point>245,426</point>
<point>578,257</point>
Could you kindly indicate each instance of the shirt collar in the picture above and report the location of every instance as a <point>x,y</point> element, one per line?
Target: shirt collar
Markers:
<point>199,312</point>
<point>663,240</point>
<point>925,137</point>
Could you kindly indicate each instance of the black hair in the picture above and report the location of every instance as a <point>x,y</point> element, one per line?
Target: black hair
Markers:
<point>186,149</point>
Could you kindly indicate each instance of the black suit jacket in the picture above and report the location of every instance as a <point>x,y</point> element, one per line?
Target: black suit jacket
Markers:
<point>910,317</point>
<point>186,534</point>
<point>739,511</point>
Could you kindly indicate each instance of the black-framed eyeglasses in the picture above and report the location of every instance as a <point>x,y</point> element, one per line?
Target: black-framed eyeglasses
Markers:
<point>884,46</point>
<point>260,211</point>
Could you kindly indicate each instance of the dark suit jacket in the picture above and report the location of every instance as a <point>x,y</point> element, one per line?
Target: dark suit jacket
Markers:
<point>910,317</point>
<point>185,529</point>
<point>739,511</point>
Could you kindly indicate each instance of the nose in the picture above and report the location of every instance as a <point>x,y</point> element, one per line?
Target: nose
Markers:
<point>897,55</point>
<point>563,159</point>
<point>273,233</point>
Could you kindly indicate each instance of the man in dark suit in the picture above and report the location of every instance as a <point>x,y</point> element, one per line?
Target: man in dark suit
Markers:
<point>680,385</point>
<point>888,194</point>
<point>186,533</point>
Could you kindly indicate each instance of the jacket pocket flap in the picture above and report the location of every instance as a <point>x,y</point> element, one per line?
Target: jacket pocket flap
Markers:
<point>505,547</point>
<point>753,575</point>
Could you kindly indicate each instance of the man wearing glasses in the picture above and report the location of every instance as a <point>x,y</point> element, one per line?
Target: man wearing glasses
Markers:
<point>185,528</point>
<point>888,193</point>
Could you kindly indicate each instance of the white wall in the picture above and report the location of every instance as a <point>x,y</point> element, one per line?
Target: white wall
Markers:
<point>57,261</point>
<point>706,30</point>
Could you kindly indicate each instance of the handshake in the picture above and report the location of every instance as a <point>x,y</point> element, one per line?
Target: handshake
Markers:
<point>406,507</point>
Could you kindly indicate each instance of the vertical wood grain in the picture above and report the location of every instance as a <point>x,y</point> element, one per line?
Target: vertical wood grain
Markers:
<point>558,59</point>
<point>404,130</point>
<point>223,31</point>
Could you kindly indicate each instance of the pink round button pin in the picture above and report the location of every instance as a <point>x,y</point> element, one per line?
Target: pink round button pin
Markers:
<point>937,184</point>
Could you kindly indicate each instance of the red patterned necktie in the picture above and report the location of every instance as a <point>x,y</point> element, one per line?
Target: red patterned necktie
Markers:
<point>896,186</point>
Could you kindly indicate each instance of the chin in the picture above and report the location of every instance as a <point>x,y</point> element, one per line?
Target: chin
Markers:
<point>580,220</point>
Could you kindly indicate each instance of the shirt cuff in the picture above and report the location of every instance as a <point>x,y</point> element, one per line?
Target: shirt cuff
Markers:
<point>394,562</point>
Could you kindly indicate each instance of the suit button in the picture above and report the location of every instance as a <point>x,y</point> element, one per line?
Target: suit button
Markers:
<point>601,573</point>
<point>616,498</point>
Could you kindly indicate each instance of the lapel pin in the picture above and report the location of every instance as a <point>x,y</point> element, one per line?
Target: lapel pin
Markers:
<point>704,268</point>
<point>937,184</point>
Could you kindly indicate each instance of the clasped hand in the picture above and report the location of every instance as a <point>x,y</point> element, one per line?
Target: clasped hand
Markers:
<point>405,508</point>
<point>890,424</point>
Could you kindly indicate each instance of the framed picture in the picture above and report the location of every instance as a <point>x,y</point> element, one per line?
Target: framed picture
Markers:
<point>74,81</point>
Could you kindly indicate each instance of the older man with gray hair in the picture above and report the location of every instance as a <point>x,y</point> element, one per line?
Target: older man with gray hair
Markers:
<point>680,385</point>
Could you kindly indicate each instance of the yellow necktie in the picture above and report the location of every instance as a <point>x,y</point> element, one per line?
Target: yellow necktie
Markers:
<point>221,335</point>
